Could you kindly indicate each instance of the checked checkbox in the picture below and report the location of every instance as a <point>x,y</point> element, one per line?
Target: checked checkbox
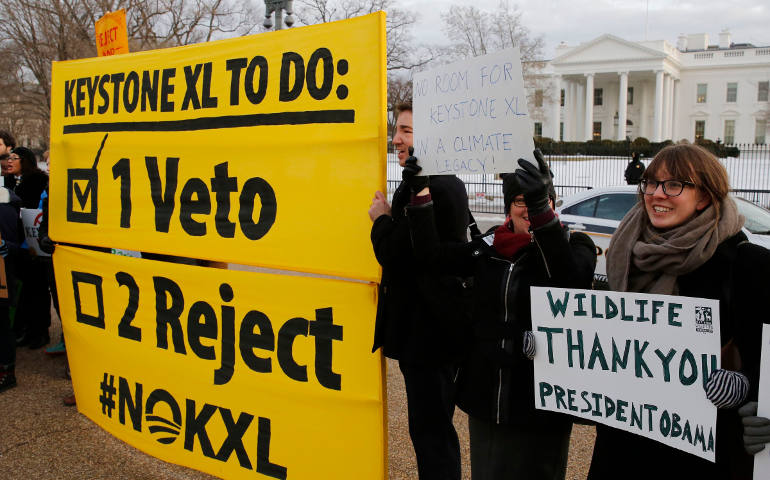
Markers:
<point>82,192</point>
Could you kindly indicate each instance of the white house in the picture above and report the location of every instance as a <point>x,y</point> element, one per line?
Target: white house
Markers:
<point>657,90</point>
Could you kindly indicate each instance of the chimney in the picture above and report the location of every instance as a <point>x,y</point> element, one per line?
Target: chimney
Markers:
<point>698,41</point>
<point>724,39</point>
<point>681,43</point>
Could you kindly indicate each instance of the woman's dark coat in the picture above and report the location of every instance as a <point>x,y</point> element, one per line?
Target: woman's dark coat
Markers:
<point>734,275</point>
<point>495,382</point>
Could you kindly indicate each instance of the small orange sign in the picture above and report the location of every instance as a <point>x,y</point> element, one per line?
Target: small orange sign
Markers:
<point>111,34</point>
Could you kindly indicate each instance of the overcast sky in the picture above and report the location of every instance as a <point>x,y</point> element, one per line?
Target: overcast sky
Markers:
<point>578,21</point>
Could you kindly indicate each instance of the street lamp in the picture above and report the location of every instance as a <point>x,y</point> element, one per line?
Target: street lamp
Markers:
<point>278,6</point>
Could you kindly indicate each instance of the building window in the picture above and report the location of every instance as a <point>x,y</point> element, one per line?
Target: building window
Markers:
<point>759,136</point>
<point>729,132</point>
<point>701,96</point>
<point>762,89</point>
<point>732,92</point>
<point>539,97</point>
<point>561,130</point>
<point>538,129</point>
<point>700,129</point>
<point>597,130</point>
<point>630,96</point>
<point>561,101</point>
<point>598,96</point>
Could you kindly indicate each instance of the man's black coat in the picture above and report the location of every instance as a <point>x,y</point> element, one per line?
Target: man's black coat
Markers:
<point>420,314</point>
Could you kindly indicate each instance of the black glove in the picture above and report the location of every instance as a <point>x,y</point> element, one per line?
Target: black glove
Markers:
<point>756,430</point>
<point>535,183</point>
<point>410,171</point>
<point>46,244</point>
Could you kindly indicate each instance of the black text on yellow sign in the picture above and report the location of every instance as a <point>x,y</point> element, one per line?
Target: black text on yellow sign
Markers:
<point>255,198</point>
<point>157,91</point>
<point>167,419</point>
<point>256,339</point>
<point>261,150</point>
<point>224,370</point>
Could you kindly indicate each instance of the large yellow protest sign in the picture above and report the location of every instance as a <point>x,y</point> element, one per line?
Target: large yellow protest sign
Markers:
<point>239,374</point>
<point>262,150</point>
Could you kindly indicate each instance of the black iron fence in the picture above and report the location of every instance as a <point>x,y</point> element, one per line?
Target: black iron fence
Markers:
<point>749,174</point>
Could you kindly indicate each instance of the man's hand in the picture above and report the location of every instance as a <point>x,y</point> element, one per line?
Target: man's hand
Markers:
<point>379,206</point>
<point>409,174</point>
<point>535,183</point>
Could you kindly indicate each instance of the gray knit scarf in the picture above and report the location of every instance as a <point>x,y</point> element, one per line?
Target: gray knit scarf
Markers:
<point>641,258</point>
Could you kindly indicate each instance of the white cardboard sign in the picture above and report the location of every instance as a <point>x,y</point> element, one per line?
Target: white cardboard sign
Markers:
<point>31,218</point>
<point>633,361</point>
<point>762,459</point>
<point>471,116</point>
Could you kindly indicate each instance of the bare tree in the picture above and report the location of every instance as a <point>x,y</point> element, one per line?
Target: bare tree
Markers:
<point>36,33</point>
<point>402,52</point>
<point>475,32</point>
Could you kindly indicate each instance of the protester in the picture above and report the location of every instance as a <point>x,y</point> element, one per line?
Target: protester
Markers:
<point>419,321</point>
<point>33,315</point>
<point>7,143</point>
<point>28,180</point>
<point>684,238</point>
<point>4,165</point>
<point>509,438</point>
<point>9,250</point>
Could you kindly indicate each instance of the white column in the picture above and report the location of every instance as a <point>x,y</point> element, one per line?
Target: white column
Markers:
<point>589,126</point>
<point>622,106</point>
<point>556,112</point>
<point>675,134</point>
<point>644,110</point>
<point>570,127</point>
<point>658,108</point>
<point>665,134</point>
<point>581,111</point>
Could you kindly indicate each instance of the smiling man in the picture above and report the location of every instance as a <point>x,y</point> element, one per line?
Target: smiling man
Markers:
<point>419,316</point>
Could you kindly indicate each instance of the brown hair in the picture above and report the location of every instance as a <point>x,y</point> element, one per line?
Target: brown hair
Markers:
<point>8,139</point>
<point>403,107</point>
<point>694,164</point>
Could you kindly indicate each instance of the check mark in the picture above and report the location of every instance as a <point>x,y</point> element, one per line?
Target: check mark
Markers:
<point>82,195</point>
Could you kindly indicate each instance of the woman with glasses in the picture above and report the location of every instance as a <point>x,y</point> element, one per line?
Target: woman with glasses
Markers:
<point>33,313</point>
<point>684,238</point>
<point>509,438</point>
<point>26,179</point>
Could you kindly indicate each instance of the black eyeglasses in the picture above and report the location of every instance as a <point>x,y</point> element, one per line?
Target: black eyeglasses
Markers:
<point>672,188</point>
<point>519,202</point>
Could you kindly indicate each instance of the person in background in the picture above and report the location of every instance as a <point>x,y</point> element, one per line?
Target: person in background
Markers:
<point>33,315</point>
<point>634,170</point>
<point>509,438</point>
<point>4,164</point>
<point>9,249</point>
<point>419,321</point>
<point>684,238</point>
<point>7,143</point>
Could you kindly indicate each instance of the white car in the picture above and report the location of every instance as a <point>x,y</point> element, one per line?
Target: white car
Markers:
<point>598,212</point>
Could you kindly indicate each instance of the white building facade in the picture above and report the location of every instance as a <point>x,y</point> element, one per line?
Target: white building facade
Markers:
<point>657,90</point>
